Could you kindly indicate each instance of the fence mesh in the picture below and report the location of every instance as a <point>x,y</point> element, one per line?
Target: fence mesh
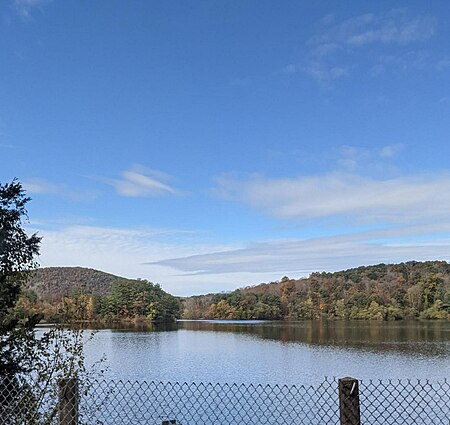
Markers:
<point>405,402</point>
<point>103,402</point>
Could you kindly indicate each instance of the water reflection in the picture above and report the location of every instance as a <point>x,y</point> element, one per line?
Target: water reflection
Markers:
<point>409,337</point>
<point>274,352</point>
<point>138,327</point>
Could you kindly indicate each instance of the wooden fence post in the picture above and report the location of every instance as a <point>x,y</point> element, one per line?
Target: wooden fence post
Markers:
<point>349,401</point>
<point>68,401</point>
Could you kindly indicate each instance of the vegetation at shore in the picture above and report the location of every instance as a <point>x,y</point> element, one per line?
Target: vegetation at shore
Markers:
<point>381,292</point>
<point>76,294</point>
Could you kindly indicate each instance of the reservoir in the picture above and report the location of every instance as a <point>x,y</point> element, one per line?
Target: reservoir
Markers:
<point>274,352</point>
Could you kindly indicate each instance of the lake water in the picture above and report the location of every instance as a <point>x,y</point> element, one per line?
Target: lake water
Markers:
<point>275,352</point>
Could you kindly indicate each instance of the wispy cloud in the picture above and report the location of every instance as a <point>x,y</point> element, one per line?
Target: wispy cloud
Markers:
<point>301,257</point>
<point>41,186</point>
<point>333,52</point>
<point>25,8</point>
<point>395,27</point>
<point>142,182</point>
<point>412,60</point>
<point>185,264</point>
<point>391,151</point>
<point>45,187</point>
<point>355,158</point>
<point>124,251</point>
<point>346,195</point>
<point>323,72</point>
<point>290,69</point>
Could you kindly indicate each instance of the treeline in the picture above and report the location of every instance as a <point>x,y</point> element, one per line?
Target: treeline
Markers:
<point>381,292</point>
<point>125,300</point>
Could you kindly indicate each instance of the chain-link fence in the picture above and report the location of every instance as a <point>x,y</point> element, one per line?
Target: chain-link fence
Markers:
<point>341,402</point>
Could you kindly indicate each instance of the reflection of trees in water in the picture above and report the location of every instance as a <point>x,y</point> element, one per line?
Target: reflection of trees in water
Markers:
<point>140,327</point>
<point>417,338</point>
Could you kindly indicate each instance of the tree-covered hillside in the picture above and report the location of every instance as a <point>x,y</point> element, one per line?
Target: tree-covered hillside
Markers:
<point>80,294</point>
<point>381,292</point>
<point>52,283</point>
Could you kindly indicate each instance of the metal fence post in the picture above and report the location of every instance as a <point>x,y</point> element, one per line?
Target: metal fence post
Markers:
<point>68,401</point>
<point>349,401</point>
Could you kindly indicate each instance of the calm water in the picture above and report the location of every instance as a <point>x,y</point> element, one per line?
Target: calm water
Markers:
<point>275,352</point>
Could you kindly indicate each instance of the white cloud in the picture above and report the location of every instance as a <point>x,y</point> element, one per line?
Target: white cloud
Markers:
<point>338,48</point>
<point>184,264</point>
<point>400,31</point>
<point>344,195</point>
<point>141,182</point>
<point>357,159</point>
<point>24,8</point>
<point>352,157</point>
<point>301,257</point>
<point>395,27</point>
<point>124,251</point>
<point>323,72</point>
<point>44,187</point>
<point>390,151</point>
<point>415,60</point>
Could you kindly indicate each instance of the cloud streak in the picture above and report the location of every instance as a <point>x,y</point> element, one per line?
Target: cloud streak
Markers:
<point>44,187</point>
<point>301,257</point>
<point>41,186</point>
<point>343,194</point>
<point>141,182</point>
<point>185,264</point>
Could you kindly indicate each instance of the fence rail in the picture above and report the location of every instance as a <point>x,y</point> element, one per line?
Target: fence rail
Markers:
<point>345,401</point>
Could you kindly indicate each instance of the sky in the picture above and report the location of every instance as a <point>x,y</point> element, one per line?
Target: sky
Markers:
<point>210,145</point>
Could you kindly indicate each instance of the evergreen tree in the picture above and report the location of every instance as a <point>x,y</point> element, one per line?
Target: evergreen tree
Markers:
<point>17,259</point>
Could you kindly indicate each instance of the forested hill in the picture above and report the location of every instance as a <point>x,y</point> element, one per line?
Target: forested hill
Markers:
<point>381,292</point>
<point>63,294</point>
<point>53,283</point>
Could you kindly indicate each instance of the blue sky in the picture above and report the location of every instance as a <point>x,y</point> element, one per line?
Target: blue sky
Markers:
<point>209,145</point>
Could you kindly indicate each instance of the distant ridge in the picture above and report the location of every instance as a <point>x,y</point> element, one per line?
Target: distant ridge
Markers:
<point>52,283</point>
<point>380,292</point>
<point>78,294</point>
<point>377,292</point>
